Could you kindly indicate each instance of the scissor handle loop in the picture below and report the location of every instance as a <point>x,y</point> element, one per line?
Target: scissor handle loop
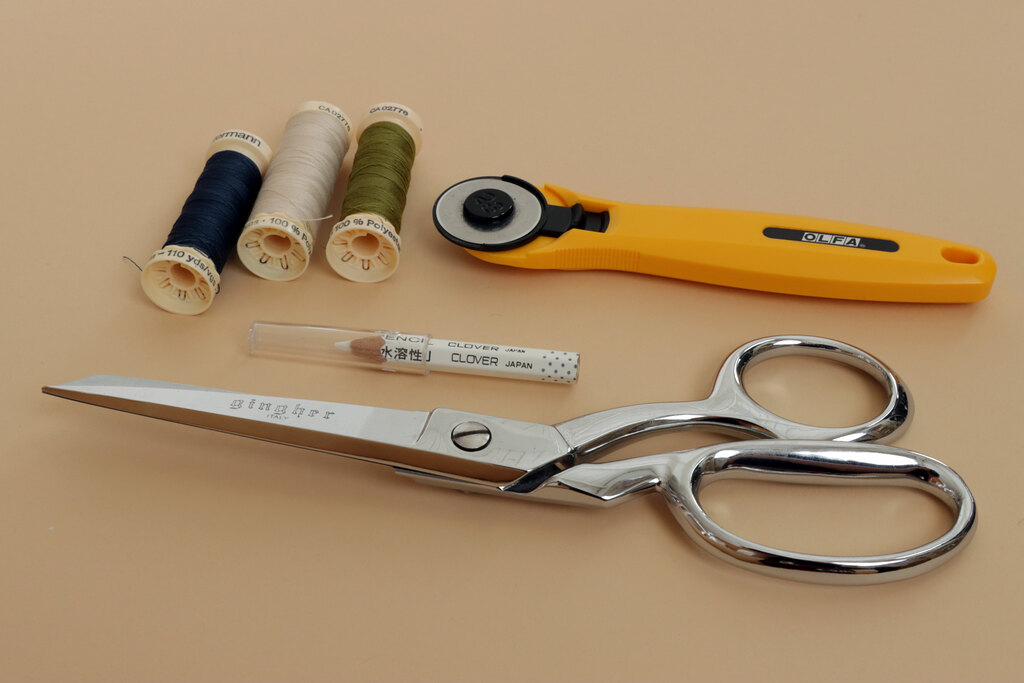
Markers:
<point>730,395</point>
<point>818,462</point>
<point>730,408</point>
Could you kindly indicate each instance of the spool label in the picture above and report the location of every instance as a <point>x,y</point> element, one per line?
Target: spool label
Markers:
<point>330,110</point>
<point>284,224</point>
<point>372,223</point>
<point>243,142</point>
<point>364,247</point>
<point>390,108</point>
<point>195,261</point>
<point>336,113</point>
<point>242,135</point>
<point>397,114</point>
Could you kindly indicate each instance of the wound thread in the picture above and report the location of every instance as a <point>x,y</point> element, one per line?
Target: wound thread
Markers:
<point>183,276</point>
<point>278,238</point>
<point>209,219</point>
<point>364,245</point>
<point>381,172</point>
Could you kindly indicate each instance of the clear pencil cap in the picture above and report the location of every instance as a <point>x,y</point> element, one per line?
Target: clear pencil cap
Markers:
<point>380,349</point>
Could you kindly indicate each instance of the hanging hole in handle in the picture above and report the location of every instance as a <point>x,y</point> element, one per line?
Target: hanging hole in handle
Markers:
<point>960,255</point>
<point>815,390</point>
<point>827,520</point>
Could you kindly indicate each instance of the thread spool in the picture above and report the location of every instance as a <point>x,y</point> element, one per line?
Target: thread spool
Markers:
<point>277,240</point>
<point>183,276</point>
<point>364,245</point>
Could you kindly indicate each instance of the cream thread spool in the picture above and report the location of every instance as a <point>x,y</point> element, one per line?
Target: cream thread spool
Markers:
<point>181,278</point>
<point>278,238</point>
<point>364,246</point>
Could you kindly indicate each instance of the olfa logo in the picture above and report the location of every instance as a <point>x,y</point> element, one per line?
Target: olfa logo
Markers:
<point>833,239</point>
<point>827,238</point>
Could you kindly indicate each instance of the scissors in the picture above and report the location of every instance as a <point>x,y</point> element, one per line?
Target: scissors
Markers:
<point>469,451</point>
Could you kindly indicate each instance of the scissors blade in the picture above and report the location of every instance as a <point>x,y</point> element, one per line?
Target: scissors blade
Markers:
<point>381,435</point>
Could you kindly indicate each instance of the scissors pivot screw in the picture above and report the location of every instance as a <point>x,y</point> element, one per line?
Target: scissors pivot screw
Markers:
<point>471,436</point>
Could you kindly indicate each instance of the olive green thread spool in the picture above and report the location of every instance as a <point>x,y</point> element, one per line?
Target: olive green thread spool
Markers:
<point>277,241</point>
<point>364,245</point>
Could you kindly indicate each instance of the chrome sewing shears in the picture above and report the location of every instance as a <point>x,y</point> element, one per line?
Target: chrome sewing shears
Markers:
<point>468,451</point>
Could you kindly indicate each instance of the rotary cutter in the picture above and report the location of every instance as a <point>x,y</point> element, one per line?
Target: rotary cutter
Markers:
<point>508,221</point>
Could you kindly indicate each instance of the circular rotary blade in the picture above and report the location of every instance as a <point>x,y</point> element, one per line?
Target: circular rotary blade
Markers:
<point>490,213</point>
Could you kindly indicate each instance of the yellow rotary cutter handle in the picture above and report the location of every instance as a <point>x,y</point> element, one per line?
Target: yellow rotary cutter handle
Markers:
<point>508,221</point>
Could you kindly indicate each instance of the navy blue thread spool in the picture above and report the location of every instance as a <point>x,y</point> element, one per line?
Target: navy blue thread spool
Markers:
<point>183,276</point>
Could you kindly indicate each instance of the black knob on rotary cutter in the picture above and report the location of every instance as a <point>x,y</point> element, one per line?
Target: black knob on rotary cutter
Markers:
<point>493,213</point>
<point>488,208</point>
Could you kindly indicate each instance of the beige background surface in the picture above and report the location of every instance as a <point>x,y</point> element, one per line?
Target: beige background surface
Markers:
<point>136,550</point>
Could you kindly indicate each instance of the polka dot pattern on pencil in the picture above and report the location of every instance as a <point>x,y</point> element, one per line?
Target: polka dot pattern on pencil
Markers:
<point>559,366</point>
